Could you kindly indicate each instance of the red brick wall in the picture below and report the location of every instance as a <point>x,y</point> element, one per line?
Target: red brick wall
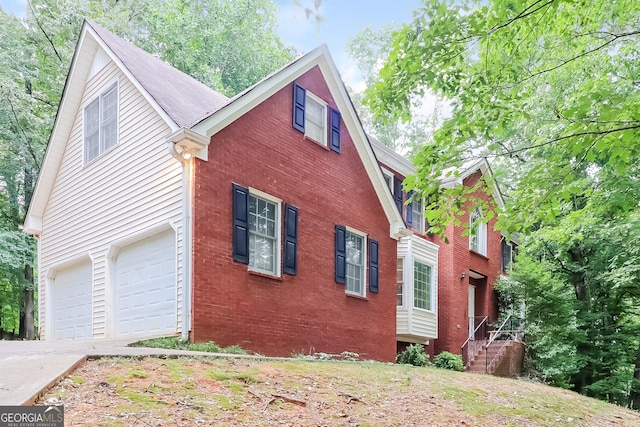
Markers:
<point>308,312</point>
<point>455,258</point>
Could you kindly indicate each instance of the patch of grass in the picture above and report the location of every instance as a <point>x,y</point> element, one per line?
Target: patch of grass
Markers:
<point>78,379</point>
<point>115,379</point>
<point>141,401</point>
<point>247,377</point>
<point>212,374</point>
<point>137,373</point>
<point>175,343</point>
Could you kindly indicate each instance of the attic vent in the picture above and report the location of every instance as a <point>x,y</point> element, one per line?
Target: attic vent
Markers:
<point>100,59</point>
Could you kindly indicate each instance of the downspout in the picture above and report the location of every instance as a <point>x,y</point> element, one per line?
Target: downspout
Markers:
<point>184,145</point>
<point>187,198</point>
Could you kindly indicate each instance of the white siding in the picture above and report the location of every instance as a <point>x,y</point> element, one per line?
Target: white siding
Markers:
<point>133,187</point>
<point>414,324</point>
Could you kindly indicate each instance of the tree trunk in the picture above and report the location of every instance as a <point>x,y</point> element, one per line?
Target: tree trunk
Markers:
<point>29,318</point>
<point>634,393</point>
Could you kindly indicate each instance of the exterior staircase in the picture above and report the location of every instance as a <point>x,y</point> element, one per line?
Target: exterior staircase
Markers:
<point>499,353</point>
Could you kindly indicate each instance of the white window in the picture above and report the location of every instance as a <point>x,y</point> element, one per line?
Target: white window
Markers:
<point>264,234</point>
<point>101,124</point>
<point>417,216</point>
<point>355,259</point>
<point>315,119</point>
<point>422,286</point>
<point>399,282</point>
<point>388,178</point>
<point>477,232</point>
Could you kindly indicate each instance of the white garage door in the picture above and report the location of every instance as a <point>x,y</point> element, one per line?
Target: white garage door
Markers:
<point>71,299</point>
<point>145,288</point>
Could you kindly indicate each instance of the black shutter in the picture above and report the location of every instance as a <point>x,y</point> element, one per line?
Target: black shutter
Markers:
<point>397,193</point>
<point>409,220</point>
<point>240,224</point>
<point>373,266</point>
<point>334,120</point>
<point>299,95</point>
<point>341,254</point>
<point>291,240</point>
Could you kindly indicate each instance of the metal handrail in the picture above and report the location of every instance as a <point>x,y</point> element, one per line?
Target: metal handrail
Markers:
<point>498,332</point>
<point>484,319</point>
<point>488,364</point>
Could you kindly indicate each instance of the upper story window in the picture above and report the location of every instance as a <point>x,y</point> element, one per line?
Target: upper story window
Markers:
<point>101,124</point>
<point>418,216</point>
<point>313,117</point>
<point>477,232</point>
<point>315,120</point>
<point>508,254</point>
<point>388,178</point>
<point>422,286</point>
<point>264,235</point>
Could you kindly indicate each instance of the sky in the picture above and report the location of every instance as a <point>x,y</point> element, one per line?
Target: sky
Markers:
<point>342,19</point>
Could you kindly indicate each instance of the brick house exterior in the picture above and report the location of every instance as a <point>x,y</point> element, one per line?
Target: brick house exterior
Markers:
<point>466,275</point>
<point>262,220</point>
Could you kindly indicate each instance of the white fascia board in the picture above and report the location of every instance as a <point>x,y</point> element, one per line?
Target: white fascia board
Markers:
<point>391,159</point>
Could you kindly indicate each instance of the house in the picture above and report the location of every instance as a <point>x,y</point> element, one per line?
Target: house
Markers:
<point>263,220</point>
<point>463,300</point>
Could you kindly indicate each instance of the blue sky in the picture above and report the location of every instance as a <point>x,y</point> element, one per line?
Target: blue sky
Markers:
<point>343,19</point>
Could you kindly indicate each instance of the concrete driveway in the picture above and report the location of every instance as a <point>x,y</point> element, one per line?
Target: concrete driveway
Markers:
<point>29,368</point>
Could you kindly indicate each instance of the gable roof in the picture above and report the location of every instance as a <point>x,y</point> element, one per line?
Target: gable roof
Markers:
<point>321,58</point>
<point>184,102</point>
<point>183,98</point>
<point>403,166</point>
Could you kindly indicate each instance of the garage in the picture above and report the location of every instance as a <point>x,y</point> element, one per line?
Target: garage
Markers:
<point>71,299</point>
<point>145,287</point>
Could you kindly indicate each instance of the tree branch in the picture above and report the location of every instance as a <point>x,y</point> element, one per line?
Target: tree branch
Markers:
<point>35,17</point>
<point>521,15</point>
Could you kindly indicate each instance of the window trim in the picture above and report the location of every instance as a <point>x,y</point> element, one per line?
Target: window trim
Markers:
<point>365,262</point>
<point>402,260</point>
<point>432,285</point>
<point>278,233</point>
<point>478,230</point>
<point>386,173</point>
<point>324,105</point>
<point>98,98</point>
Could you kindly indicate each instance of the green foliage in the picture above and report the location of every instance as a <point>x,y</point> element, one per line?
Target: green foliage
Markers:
<point>176,343</point>
<point>446,360</point>
<point>545,90</point>
<point>414,355</point>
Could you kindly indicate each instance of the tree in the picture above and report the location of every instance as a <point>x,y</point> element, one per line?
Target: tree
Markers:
<point>545,89</point>
<point>228,45</point>
<point>368,49</point>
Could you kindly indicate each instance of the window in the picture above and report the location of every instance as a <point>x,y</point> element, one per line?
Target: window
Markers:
<point>101,124</point>
<point>399,281</point>
<point>257,220</point>
<point>264,233</point>
<point>310,117</point>
<point>355,257</point>
<point>418,216</point>
<point>315,119</point>
<point>478,232</point>
<point>422,286</point>
<point>507,255</point>
<point>388,178</point>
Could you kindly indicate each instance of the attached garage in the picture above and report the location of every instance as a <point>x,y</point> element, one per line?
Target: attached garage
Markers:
<point>145,287</point>
<point>71,298</point>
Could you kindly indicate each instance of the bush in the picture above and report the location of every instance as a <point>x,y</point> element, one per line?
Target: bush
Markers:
<point>446,360</point>
<point>414,355</point>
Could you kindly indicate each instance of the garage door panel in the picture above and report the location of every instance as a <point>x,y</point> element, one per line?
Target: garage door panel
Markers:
<point>72,302</point>
<point>145,288</point>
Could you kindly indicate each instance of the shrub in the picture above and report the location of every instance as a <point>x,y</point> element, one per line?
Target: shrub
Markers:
<point>414,355</point>
<point>446,360</point>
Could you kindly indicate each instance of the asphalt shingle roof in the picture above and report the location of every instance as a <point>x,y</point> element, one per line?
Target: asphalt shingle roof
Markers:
<point>183,98</point>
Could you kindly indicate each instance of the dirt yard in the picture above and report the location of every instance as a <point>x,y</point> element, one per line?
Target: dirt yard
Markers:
<point>241,392</point>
